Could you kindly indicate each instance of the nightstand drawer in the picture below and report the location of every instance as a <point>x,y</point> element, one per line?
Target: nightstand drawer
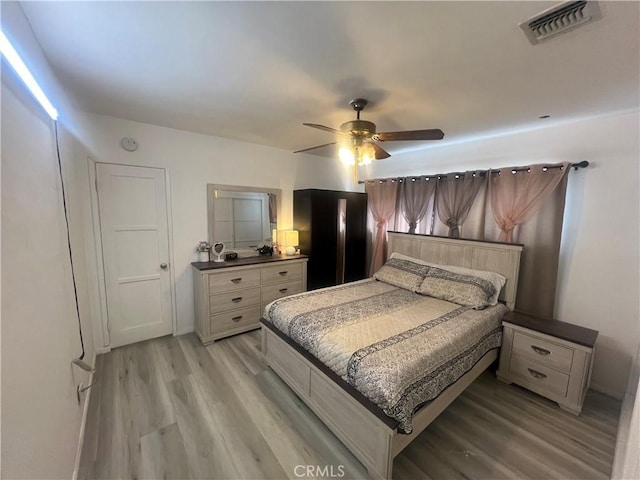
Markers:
<point>235,319</point>
<point>543,351</point>
<point>273,292</point>
<point>281,273</point>
<point>535,374</point>
<point>232,300</point>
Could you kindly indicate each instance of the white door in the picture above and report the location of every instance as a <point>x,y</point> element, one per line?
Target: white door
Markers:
<point>135,248</point>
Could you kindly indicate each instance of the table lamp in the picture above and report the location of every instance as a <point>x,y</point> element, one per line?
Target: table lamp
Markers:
<point>291,241</point>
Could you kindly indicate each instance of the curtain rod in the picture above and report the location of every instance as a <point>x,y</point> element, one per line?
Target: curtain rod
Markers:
<point>575,166</point>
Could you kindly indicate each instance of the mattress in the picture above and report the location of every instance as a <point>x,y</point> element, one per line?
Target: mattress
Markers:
<point>398,348</point>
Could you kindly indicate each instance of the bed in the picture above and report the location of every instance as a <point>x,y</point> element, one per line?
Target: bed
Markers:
<point>364,373</point>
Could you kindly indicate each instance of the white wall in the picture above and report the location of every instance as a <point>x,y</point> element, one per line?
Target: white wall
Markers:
<point>598,276</point>
<point>191,161</point>
<point>40,415</point>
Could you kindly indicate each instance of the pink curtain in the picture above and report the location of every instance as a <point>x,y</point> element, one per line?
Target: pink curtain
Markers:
<point>455,196</point>
<point>381,198</point>
<point>533,201</point>
<point>522,205</point>
<point>516,195</point>
<point>413,196</point>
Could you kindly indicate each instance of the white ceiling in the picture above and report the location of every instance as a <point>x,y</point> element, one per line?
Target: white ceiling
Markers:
<point>254,71</point>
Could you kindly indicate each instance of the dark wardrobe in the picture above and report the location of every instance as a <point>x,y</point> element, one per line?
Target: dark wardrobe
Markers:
<point>333,230</point>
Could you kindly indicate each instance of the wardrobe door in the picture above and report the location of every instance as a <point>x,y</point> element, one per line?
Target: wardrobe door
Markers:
<point>356,237</point>
<point>324,234</point>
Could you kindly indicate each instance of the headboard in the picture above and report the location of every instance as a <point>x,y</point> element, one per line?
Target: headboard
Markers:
<point>503,258</point>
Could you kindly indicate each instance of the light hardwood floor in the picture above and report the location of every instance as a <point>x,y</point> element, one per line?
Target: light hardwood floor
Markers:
<point>172,408</point>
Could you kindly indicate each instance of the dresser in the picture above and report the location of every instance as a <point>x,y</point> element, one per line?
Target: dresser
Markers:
<point>548,357</point>
<point>230,296</point>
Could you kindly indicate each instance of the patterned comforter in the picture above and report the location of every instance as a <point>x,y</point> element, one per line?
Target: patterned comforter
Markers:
<point>396,347</point>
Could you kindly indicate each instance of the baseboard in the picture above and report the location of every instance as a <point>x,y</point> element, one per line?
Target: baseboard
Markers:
<point>102,350</point>
<point>83,423</point>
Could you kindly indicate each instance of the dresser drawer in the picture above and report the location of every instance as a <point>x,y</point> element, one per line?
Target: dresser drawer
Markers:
<point>223,302</point>
<point>235,319</point>
<point>284,272</point>
<point>223,282</point>
<point>543,351</point>
<point>273,292</point>
<point>534,373</point>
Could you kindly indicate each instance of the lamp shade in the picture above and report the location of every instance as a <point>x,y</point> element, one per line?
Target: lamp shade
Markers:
<point>291,240</point>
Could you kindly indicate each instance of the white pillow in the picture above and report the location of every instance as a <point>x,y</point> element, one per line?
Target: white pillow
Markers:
<point>494,278</point>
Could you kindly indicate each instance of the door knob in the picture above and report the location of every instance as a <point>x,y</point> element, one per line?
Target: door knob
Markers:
<point>163,266</point>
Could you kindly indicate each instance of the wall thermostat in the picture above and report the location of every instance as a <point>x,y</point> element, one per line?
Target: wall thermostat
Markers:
<point>129,144</point>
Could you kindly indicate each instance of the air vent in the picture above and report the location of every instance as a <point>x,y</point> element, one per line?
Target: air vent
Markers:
<point>560,19</point>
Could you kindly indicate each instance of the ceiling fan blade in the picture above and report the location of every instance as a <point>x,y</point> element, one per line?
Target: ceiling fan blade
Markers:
<point>313,148</point>
<point>326,129</point>
<point>380,152</point>
<point>431,134</point>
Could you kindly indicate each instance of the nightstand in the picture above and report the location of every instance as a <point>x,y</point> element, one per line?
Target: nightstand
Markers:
<point>548,357</point>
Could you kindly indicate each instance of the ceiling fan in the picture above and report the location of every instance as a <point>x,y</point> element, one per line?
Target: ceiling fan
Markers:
<point>357,138</point>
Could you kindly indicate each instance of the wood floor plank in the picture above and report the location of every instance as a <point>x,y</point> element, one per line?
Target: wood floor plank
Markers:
<point>562,439</point>
<point>546,412</point>
<point>147,392</point>
<point>118,437</point>
<point>429,457</point>
<point>207,453</point>
<point>405,468</point>
<point>525,453</point>
<point>170,358</point>
<point>457,447</point>
<point>244,348</point>
<point>162,455</point>
<point>237,428</point>
<point>173,408</point>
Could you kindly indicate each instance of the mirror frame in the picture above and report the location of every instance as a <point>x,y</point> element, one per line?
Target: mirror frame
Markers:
<point>212,187</point>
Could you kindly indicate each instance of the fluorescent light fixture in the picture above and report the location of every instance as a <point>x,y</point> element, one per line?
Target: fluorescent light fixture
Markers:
<point>23,72</point>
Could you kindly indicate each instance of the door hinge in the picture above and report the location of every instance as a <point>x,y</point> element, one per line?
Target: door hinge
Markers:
<point>95,182</point>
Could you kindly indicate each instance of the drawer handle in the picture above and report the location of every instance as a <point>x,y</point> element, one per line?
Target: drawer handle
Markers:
<point>536,374</point>
<point>282,274</point>
<point>236,300</point>
<point>236,280</point>
<point>283,290</point>
<point>540,351</point>
<point>237,319</point>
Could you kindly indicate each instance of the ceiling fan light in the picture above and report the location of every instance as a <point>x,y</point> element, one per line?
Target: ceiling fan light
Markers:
<point>346,156</point>
<point>367,155</point>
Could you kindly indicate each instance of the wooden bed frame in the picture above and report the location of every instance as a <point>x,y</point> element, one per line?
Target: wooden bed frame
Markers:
<point>371,439</point>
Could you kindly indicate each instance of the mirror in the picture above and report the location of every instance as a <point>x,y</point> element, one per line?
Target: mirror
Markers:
<point>242,217</point>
